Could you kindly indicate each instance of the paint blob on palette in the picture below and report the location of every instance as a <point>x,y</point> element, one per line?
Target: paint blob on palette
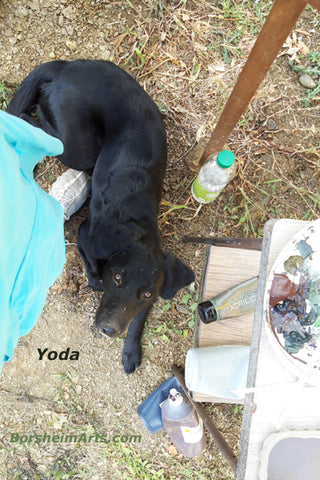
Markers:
<point>292,300</point>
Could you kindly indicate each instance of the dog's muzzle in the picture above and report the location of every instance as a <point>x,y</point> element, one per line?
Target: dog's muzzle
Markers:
<point>109,323</point>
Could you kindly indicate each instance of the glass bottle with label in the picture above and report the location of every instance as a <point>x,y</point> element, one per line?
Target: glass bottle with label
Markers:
<point>182,424</point>
<point>215,174</point>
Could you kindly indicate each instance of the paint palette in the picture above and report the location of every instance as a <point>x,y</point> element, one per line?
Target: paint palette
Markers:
<point>292,302</point>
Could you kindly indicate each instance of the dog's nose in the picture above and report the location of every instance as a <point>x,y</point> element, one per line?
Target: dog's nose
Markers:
<point>108,331</point>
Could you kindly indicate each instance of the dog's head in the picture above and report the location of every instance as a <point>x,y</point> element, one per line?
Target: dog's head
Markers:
<point>132,280</point>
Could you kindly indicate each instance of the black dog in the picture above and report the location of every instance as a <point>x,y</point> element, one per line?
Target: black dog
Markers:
<point>111,128</point>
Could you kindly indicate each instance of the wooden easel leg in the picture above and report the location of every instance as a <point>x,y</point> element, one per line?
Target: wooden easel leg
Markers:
<point>281,20</point>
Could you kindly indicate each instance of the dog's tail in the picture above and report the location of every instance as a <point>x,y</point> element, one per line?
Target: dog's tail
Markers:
<point>27,96</point>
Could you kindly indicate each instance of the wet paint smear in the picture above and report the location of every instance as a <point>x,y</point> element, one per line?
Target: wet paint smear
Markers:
<point>295,307</point>
<point>304,249</point>
<point>293,264</point>
<point>281,289</point>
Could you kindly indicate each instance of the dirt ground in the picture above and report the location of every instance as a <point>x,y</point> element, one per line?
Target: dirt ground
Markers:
<point>187,57</point>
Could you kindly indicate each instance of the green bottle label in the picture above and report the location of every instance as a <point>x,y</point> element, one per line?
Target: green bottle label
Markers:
<point>202,195</point>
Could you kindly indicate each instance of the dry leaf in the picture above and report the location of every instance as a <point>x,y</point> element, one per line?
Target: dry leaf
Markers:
<point>294,47</point>
<point>172,450</point>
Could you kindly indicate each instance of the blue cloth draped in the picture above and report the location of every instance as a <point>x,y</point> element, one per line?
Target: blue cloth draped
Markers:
<point>32,247</point>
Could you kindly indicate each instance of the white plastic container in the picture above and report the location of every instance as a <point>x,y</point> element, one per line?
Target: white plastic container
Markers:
<point>215,174</point>
<point>182,424</point>
<point>219,371</point>
<point>291,455</point>
<point>71,190</point>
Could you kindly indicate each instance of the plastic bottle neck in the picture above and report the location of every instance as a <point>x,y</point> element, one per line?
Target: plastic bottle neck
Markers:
<point>175,398</point>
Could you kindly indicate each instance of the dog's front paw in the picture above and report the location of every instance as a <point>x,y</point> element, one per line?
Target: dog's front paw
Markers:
<point>131,359</point>
<point>95,284</point>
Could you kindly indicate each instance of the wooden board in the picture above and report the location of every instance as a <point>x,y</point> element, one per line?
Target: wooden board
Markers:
<point>226,267</point>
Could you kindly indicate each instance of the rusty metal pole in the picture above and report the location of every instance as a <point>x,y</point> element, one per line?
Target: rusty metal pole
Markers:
<point>281,20</point>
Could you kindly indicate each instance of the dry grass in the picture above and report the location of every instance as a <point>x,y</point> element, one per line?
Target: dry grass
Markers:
<point>187,55</point>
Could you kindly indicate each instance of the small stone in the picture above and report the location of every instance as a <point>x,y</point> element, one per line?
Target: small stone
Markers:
<point>307,81</point>
<point>78,389</point>
<point>163,36</point>
<point>272,125</point>
<point>71,45</point>
<point>69,30</point>
<point>35,5</point>
<point>68,12</point>
<point>22,12</point>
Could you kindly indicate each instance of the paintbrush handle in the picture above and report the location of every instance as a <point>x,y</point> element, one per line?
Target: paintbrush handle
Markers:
<point>246,243</point>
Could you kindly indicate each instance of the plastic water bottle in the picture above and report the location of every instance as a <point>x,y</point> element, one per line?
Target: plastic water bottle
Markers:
<point>182,424</point>
<point>215,174</point>
<point>71,190</point>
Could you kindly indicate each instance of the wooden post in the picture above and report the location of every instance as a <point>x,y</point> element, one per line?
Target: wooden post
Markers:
<point>281,20</point>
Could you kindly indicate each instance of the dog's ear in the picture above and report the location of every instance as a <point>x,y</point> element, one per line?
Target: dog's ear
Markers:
<point>135,231</point>
<point>177,275</point>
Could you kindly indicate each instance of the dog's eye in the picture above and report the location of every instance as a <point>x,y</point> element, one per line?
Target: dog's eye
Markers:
<point>117,278</point>
<point>147,294</point>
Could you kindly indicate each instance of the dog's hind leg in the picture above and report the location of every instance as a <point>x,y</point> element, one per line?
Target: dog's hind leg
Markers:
<point>27,96</point>
<point>32,121</point>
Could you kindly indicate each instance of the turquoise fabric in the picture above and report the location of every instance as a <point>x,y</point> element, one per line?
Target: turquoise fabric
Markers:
<point>32,247</point>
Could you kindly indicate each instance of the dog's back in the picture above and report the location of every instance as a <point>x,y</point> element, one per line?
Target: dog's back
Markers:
<point>88,104</point>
